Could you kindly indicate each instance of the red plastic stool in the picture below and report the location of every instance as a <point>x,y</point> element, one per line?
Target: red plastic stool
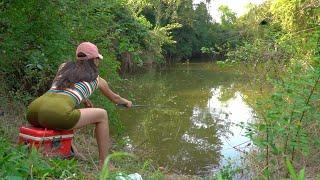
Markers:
<point>49,142</point>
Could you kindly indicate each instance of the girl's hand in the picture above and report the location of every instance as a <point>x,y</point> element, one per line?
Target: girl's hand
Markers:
<point>124,103</point>
<point>129,104</point>
<point>87,103</point>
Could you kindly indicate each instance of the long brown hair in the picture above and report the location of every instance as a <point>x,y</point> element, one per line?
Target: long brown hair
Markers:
<point>75,71</point>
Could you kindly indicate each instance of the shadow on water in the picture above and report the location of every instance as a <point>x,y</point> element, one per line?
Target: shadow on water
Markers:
<point>191,125</point>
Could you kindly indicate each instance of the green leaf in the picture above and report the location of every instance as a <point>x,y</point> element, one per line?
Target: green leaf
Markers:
<point>14,177</point>
<point>219,177</point>
<point>39,66</point>
<point>301,174</point>
<point>291,169</point>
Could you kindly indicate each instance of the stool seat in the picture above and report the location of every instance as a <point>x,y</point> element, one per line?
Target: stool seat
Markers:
<point>48,141</point>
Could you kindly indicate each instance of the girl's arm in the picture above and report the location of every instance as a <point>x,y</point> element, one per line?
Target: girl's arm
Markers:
<point>106,91</point>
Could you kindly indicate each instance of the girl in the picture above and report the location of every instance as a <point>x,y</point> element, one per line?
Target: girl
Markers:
<point>73,84</point>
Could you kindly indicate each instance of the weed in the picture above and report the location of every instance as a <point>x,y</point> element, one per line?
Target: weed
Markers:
<point>19,162</point>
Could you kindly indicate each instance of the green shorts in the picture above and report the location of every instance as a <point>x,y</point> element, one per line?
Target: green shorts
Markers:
<point>53,111</point>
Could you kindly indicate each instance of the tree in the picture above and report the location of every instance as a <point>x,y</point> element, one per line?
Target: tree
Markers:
<point>228,17</point>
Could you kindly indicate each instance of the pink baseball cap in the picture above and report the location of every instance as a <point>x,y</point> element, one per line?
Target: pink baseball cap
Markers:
<point>90,50</point>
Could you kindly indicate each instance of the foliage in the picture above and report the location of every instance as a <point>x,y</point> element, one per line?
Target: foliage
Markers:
<point>228,171</point>
<point>228,17</point>
<point>195,30</point>
<point>210,51</point>
<point>32,43</point>
<point>287,118</point>
<point>296,15</point>
<point>224,36</point>
<point>20,163</point>
<point>294,175</point>
<point>283,51</point>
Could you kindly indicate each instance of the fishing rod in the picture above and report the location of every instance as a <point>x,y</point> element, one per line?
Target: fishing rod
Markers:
<point>132,106</point>
<point>138,106</point>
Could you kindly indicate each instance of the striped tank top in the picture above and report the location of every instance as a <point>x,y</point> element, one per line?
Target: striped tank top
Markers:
<point>80,91</point>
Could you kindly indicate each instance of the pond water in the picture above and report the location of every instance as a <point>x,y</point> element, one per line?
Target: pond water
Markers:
<point>191,122</point>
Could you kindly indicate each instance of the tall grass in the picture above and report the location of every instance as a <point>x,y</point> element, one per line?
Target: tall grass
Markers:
<point>105,173</point>
<point>19,162</point>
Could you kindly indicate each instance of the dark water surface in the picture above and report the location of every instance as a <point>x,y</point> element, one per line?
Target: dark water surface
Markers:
<point>190,124</point>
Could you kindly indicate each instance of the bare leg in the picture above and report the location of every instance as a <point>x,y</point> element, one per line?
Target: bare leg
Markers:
<point>99,117</point>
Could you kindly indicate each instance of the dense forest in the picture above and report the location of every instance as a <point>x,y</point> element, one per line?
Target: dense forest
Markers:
<point>278,40</point>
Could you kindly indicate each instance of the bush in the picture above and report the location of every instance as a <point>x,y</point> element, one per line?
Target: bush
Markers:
<point>37,36</point>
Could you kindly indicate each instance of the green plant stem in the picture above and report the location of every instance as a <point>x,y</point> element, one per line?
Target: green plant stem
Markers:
<point>267,164</point>
<point>288,132</point>
<point>303,113</point>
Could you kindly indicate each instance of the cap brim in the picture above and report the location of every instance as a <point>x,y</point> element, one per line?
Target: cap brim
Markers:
<point>100,56</point>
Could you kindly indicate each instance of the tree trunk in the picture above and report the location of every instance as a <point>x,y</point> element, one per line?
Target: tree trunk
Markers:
<point>126,63</point>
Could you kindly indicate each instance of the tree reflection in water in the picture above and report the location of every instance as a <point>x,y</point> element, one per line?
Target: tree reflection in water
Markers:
<point>197,130</point>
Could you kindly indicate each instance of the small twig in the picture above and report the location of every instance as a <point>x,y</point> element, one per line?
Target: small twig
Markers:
<point>260,173</point>
<point>301,31</point>
<point>289,127</point>
<point>234,147</point>
<point>143,142</point>
<point>89,152</point>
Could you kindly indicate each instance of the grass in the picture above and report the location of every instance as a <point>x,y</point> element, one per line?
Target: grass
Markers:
<point>18,162</point>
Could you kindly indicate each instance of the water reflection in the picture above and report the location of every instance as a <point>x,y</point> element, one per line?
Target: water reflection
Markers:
<point>195,129</point>
<point>231,114</point>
